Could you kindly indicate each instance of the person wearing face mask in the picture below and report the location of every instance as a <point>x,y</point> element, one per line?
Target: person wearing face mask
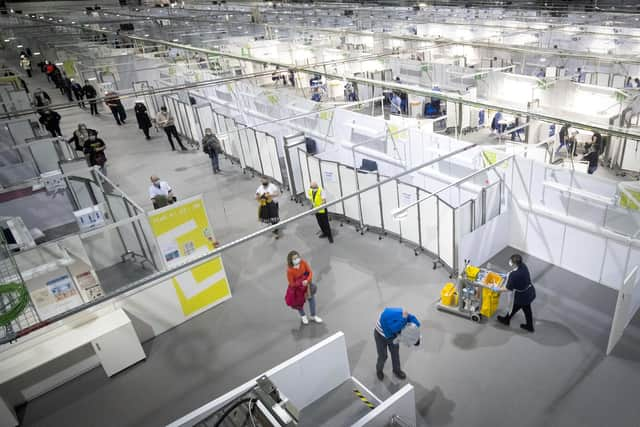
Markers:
<point>316,195</point>
<point>268,209</point>
<point>519,282</point>
<point>80,137</point>
<point>301,288</point>
<point>211,145</point>
<point>160,193</point>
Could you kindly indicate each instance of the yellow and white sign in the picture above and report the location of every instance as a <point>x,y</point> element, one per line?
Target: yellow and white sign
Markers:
<point>202,286</point>
<point>182,230</point>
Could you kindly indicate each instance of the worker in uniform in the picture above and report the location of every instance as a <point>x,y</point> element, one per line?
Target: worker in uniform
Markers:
<point>316,195</point>
<point>394,325</point>
<point>519,282</point>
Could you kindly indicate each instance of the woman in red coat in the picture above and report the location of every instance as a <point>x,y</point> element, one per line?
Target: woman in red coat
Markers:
<point>301,289</point>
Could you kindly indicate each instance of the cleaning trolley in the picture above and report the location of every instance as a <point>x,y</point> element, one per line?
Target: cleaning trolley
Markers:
<point>476,295</point>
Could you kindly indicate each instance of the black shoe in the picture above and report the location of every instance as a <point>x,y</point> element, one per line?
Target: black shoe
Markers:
<point>184,149</point>
<point>330,239</point>
<point>400,375</point>
<point>504,320</point>
<point>322,236</point>
<point>119,124</point>
<point>380,375</point>
<point>527,328</point>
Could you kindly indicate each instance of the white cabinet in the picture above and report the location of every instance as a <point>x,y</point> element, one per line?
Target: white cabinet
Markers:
<point>118,349</point>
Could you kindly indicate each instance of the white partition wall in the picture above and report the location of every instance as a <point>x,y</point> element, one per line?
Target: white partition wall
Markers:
<point>389,199</point>
<point>331,182</point>
<point>314,170</point>
<point>261,142</point>
<point>401,404</point>
<point>429,222</point>
<point>274,159</point>
<point>409,226</point>
<point>446,233</point>
<point>304,171</point>
<point>370,200</point>
<point>348,180</point>
<point>626,307</point>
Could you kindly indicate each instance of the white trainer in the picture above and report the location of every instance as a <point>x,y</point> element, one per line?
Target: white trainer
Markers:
<point>305,320</point>
<point>316,319</point>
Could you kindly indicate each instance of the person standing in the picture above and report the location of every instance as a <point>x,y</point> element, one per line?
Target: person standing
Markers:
<point>316,195</point>
<point>115,105</point>
<point>160,193</point>
<point>519,281</point>
<point>41,99</point>
<point>211,145</point>
<point>91,94</point>
<point>165,121</point>
<point>76,88</point>
<point>391,322</point>
<point>301,287</point>
<point>268,209</point>
<point>25,64</point>
<point>562,135</point>
<point>81,136</point>
<point>94,148</point>
<point>67,87</point>
<point>51,121</point>
<point>144,122</point>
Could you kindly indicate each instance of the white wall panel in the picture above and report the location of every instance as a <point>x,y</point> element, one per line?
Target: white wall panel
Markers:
<point>544,238</point>
<point>410,226</point>
<point>304,170</point>
<point>370,200</point>
<point>272,149</point>
<point>389,199</point>
<point>261,142</point>
<point>314,170</point>
<point>331,182</point>
<point>583,253</point>
<point>446,233</point>
<point>615,261</point>
<point>348,179</point>
<point>429,222</point>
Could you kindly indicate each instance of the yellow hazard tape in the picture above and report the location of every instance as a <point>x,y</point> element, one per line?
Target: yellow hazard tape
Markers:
<point>364,399</point>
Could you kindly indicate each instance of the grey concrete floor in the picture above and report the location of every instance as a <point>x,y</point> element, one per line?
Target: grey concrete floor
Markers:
<point>465,374</point>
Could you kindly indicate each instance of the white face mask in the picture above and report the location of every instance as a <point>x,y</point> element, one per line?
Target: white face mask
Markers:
<point>510,263</point>
<point>156,183</point>
<point>296,261</point>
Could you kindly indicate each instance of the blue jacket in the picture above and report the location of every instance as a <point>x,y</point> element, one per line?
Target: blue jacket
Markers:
<point>391,321</point>
<point>520,283</point>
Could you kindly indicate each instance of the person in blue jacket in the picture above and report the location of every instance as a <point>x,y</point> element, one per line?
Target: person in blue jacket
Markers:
<point>524,293</point>
<point>391,322</point>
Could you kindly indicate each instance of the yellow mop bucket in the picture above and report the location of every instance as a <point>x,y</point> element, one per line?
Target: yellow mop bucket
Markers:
<point>449,295</point>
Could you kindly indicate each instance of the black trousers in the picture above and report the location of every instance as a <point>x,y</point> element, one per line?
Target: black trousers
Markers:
<point>94,106</point>
<point>382,345</point>
<point>55,130</point>
<point>171,131</point>
<point>323,223</point>
<point>146,132</point>
<point>119,114</point>
<point>528,315</point>
<point>28,72</point>
<point>80,99</point>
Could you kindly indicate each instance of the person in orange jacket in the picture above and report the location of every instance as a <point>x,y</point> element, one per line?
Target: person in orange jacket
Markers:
<point>299,274</point>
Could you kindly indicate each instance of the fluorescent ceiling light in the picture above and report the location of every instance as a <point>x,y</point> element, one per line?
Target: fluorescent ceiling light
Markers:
<point>19,45</point>
<point>92,78</point>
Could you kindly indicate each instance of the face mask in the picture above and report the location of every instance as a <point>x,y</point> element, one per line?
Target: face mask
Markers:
<point>510,263</point>
<point>296,261</point>
<point>156,183</point>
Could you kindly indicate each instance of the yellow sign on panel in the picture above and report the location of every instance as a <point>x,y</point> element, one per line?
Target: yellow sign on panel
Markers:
<point>202,286</point>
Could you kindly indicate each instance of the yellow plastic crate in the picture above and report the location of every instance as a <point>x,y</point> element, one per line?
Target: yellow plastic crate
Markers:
<point>471,272</point>
<point>493,279</point>
<point>449,295</point>
<point>490,301</point>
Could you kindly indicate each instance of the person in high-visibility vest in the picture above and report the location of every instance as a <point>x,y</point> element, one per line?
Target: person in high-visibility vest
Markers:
<point>316,195</point>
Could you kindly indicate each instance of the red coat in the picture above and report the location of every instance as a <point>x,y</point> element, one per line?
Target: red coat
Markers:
<point>296,296</point>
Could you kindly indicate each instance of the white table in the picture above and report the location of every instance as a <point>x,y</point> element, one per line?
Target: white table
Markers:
<point>111,335</point>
